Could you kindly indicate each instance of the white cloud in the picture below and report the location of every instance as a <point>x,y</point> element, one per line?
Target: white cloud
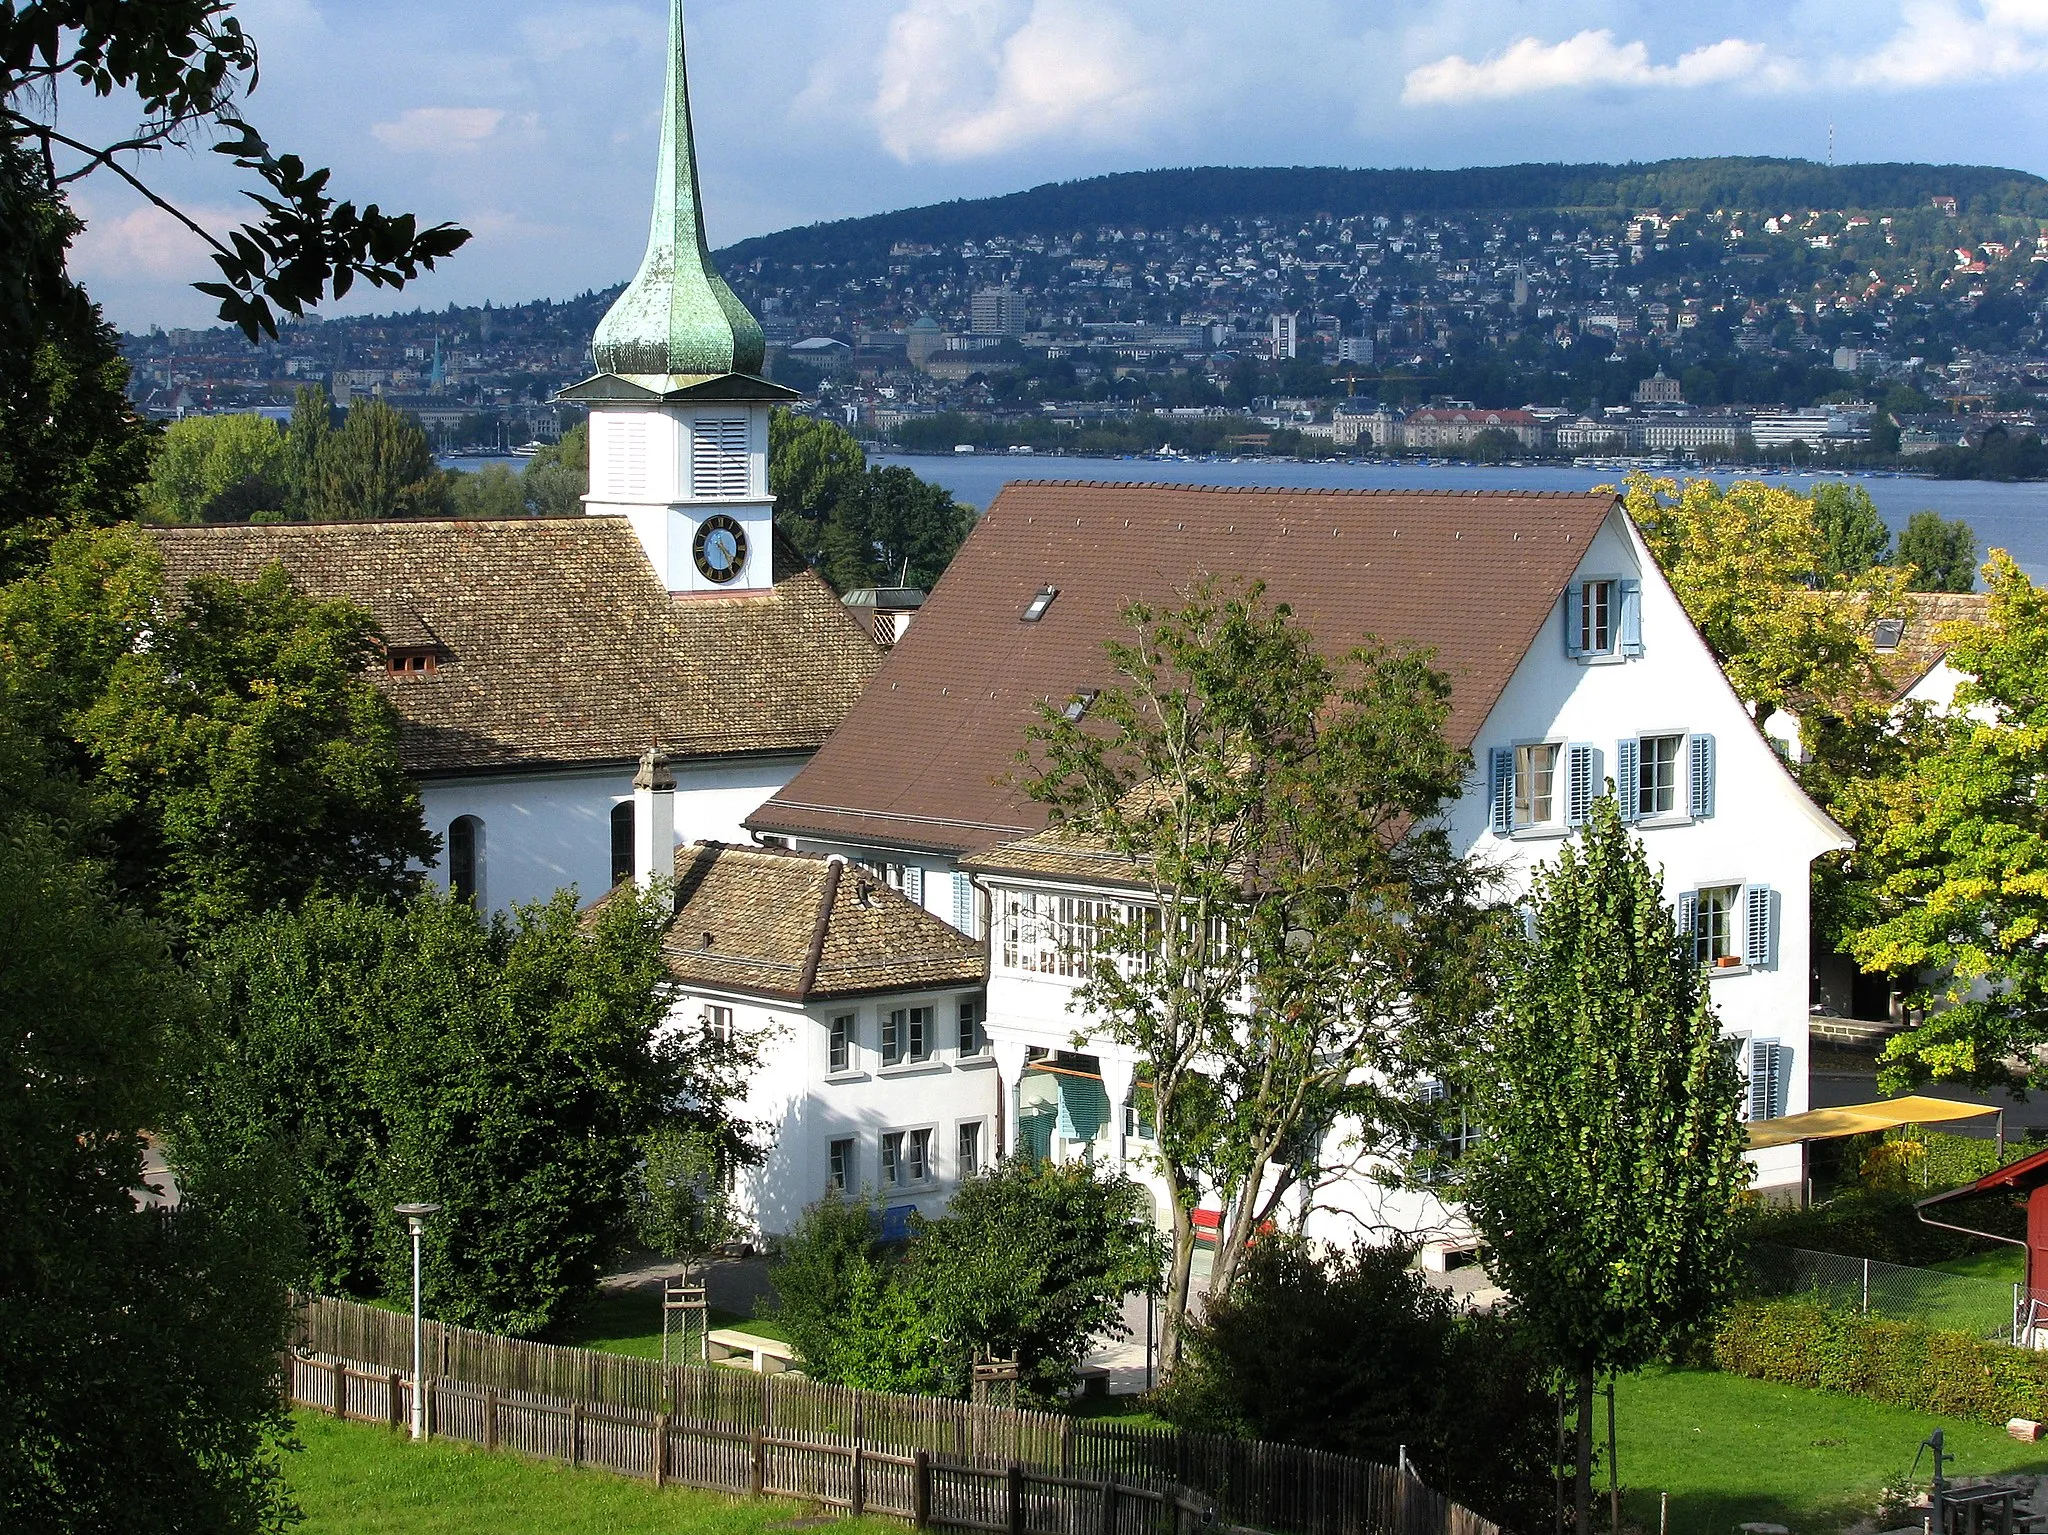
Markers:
<point>1940,42</point>
<point>962,79</point>
<point>145,242</point>
<point>432,130</point>
<point>1591,60</point>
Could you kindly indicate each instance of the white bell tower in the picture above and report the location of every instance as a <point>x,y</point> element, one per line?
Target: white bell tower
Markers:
<point>678,409</point>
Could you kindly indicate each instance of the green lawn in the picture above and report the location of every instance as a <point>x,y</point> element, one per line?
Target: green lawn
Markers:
<point>618,1323</point>
<point>354,1479</point>
<point>1731,1451</point>
<point>2007,1265</point>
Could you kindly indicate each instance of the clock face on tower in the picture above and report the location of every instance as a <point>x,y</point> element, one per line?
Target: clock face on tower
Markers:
<point>721,549</point>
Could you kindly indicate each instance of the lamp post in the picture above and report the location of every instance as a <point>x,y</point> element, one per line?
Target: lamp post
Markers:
<point>416,1222</point>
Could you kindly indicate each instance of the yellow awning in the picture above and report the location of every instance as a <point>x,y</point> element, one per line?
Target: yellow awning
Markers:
<point>1860,1119</point>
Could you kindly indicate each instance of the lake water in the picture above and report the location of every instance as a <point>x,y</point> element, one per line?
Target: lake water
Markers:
<point>2009,517</point>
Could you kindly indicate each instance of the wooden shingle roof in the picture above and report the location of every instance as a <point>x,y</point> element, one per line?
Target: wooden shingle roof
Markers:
<point>558,645</point>
<point>799,928</point>
<point>926,759</point>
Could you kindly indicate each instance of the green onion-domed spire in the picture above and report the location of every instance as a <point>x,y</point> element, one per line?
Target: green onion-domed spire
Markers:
<point>678,316</point>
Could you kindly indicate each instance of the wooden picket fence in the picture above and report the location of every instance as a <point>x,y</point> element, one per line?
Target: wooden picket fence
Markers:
<point>930,1460</point>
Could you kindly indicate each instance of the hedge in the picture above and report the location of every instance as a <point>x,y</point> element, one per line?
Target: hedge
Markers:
<point>1907,1364</point>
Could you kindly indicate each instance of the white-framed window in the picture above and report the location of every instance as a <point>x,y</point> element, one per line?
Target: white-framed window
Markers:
<point>1054,934</point>
<point>971,1040</point>
<point>917,1035</point>
<point>1596,617</point>
<point>967,1149</point>
<point>1732,927</point>
<point>1603,617</point>
<point>893,1022</point>
<point>892,1159</point>
<point>841,1049</point>
<point>719,458</point>
<point>917,1156</point>
<point>1659,764</point>
<point>1536,784</point>
<point>841,1166</point>
<point>718,1023</point>
<point>1666,774</point>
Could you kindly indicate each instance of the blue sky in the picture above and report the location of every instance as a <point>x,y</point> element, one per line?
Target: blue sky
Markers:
<point>534,123</point>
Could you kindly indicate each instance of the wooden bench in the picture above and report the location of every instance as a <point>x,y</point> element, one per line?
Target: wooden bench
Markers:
<point>764,1356</point>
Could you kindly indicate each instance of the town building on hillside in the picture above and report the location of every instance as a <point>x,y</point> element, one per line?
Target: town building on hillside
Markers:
<point>1660,390</point>
<point>1573,668</point>
<point>1457,427</point>
<point>533,661</point>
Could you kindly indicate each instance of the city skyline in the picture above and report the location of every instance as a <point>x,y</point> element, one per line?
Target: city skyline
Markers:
<point>534,126</point>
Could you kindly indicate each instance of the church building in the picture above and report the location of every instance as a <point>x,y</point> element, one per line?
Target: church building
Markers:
<point>534,661</point>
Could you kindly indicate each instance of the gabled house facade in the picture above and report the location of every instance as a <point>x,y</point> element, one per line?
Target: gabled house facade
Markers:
<point>1574,673</point>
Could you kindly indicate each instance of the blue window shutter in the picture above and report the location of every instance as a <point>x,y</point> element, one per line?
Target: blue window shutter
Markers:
<point>963,903</point>
<point>1574,600</point>
<point>1627,772</point>
<point>1503,790</point>
<point>1761,950</point>
<point>1766,1079</point>
<point>1689,916</point>
<point>1582,784</point>
<point>1701,751</point>
<point>1631,617</point>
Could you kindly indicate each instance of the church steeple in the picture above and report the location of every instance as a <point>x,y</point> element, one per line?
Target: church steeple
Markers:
<point>678,317</point>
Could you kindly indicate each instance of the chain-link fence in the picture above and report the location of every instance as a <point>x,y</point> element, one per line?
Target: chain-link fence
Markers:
<point>1984,1308</point>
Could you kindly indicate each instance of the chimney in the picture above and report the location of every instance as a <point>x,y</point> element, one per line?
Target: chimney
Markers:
<point>654,821</point>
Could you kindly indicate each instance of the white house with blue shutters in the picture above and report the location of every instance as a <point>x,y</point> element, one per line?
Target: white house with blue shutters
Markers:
<point>1575,673</point>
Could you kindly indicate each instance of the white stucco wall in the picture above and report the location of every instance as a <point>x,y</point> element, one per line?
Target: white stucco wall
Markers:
<point>802,1106</point>
<point>545,831</point>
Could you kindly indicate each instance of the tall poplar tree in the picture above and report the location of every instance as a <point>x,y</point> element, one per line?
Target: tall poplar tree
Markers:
<point>1612,1156</point>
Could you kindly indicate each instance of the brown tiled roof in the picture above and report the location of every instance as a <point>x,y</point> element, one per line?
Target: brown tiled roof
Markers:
<point>800,928</point>
<point>559,644</point>
<point>1059,853</point>
<point>1921,648</point>
<point>922,761</point>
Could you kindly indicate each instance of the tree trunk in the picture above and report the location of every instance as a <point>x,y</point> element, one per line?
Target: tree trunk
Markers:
<point>1173,1319</point>
<point>1583,1481</point>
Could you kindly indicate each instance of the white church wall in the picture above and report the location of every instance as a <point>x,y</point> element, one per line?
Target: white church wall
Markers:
<point>545,831</point>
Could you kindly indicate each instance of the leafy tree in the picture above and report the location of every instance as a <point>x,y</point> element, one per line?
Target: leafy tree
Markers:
<point>1751,564</point>
<point>494,491</point>
<point>312,422</point>
<point>236,753</point>
<point>840,1295</point>
<point>814,466</point>
<point>1943,554</point>
<point>1304,928</point>
<point>119,1325</point>
<point>188,63</point>
<point>379,464</point>
<point>509,1071</point>
<point>1357,1354</point>
<point>218,469</point>
<point>1853,535</point>
<point>73,453</point>
<point>684,1209</point>
<point>1952,857</point>
<point>1605,1183</point>
<point>557,478</point>
<point>1032,1262</point>
<point>908,528</point>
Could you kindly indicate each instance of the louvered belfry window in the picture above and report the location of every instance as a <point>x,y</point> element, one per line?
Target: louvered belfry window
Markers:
<point>718,458</point>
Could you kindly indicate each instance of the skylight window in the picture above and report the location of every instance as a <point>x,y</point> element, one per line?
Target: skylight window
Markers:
<point>1888,633</point>
<point>1040,603</point>
<point>1079,706</point>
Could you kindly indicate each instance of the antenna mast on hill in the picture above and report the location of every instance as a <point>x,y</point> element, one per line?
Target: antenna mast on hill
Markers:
<point>1831,146</point>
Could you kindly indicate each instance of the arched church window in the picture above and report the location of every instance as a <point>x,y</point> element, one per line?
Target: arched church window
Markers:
<point>465,858</point>
<point>622,842</point>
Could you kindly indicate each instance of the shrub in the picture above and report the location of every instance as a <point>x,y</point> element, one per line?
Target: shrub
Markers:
<point>841,1294</point>
<point>1879,1224</point>
<point>1907,1364</point>
<point>1357,1354</point>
